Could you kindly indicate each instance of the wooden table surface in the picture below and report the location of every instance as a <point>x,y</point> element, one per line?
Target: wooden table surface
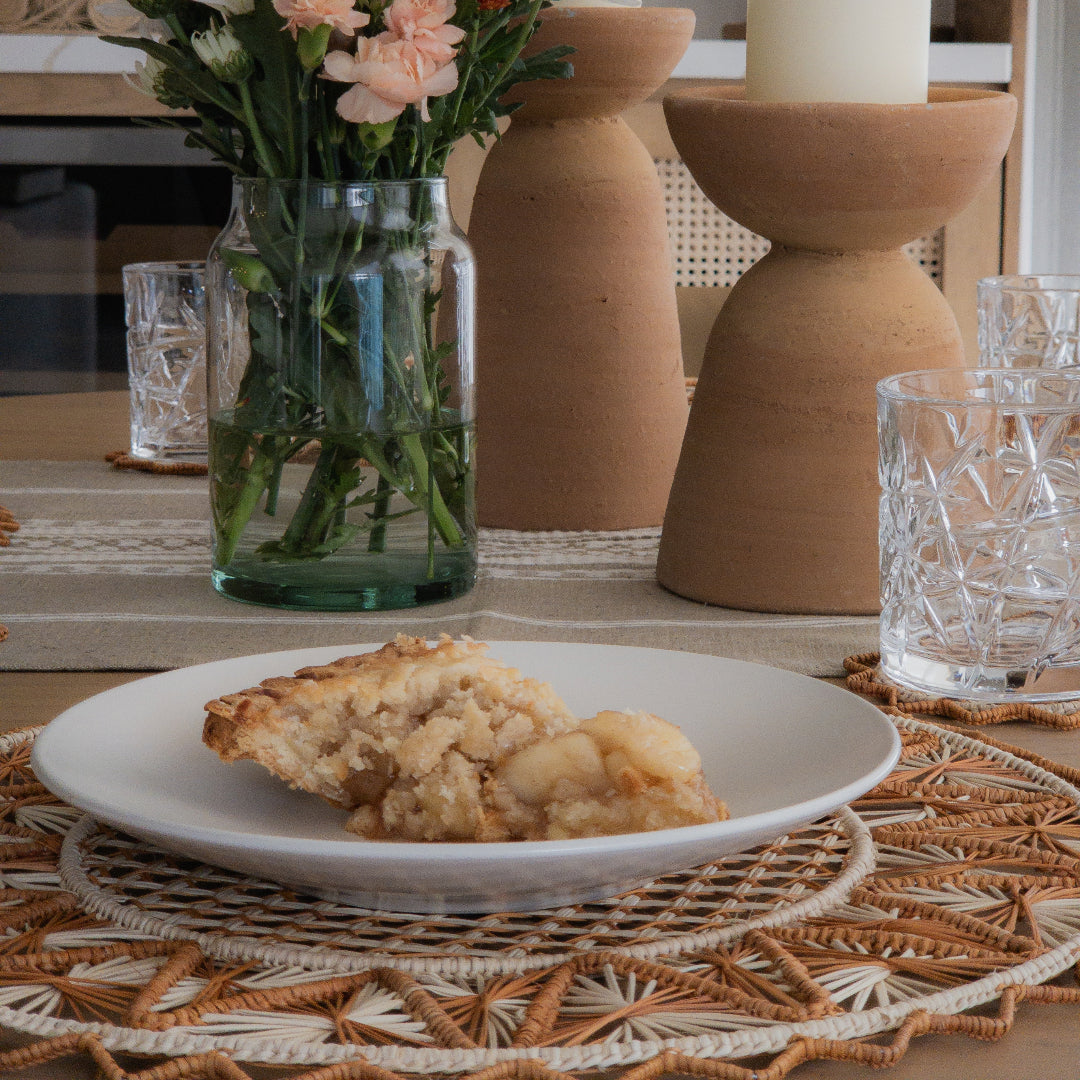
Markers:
<point>1043,1045</point>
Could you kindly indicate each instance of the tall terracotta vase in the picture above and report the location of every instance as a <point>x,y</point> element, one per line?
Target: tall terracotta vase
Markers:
<point>581,403</point>
<point>774,503</point>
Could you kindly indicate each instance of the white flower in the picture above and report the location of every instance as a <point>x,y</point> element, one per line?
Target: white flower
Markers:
<point>147,74</point>
<point>220,50</point>
<point>152,78</point>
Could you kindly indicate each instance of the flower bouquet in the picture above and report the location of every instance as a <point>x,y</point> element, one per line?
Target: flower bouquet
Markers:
<point>340,294</point>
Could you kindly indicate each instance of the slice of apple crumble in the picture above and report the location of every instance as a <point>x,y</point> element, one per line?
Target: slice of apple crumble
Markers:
<point>448,743</point>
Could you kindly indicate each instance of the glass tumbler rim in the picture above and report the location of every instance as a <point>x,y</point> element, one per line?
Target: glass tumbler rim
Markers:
<point>1032,282</point>
<point>972,388</point>
<point>164,266</point>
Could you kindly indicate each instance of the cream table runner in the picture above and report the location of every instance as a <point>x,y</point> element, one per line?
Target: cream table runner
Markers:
<point>111,570</point>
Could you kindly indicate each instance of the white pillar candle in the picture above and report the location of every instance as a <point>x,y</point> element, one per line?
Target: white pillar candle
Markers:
<point>837,50</point>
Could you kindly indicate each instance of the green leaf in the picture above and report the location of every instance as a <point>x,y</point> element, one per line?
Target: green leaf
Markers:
<point>550,64</point>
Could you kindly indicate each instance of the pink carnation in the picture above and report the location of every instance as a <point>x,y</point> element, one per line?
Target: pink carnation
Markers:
<point>389,74</point>
<point>307,14</point>
<point>425,24</point>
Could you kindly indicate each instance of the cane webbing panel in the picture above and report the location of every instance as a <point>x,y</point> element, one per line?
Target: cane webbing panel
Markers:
<point>708,248</point>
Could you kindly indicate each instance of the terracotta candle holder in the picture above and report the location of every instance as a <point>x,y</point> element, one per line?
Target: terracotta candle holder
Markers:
<point>581,401</point>
<point>774,502</point>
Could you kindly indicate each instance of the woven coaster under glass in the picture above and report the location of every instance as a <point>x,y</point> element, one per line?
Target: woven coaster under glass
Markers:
<point>866,677</point>
<point>121,459</point>
<point>952,886</point>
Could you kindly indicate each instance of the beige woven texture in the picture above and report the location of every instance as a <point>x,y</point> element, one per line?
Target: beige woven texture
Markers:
<point>969,899</point>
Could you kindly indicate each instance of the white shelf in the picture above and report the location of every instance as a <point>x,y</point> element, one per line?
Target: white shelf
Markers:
<point>85,55</point>
<point>63,54</point>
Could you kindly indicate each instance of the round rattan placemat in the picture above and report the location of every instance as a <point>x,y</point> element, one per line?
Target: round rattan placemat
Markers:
<point>236,918</point>
<point>975,898</point>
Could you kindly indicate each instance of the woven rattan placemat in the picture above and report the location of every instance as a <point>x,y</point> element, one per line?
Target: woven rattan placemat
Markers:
<point>974,899</point>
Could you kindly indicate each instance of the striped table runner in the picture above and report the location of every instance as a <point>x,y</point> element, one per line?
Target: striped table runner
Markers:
<point>110,569</point>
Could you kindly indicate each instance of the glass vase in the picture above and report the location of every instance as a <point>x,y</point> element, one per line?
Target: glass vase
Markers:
<point>340,396</point>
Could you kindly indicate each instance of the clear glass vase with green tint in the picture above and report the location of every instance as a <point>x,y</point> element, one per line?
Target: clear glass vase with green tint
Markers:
<point>340,363</point>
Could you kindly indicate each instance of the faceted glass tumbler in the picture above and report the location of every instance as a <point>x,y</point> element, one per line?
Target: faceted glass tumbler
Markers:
<point>165,311</point>
<point>1029,320</point>
<point>980,532</point>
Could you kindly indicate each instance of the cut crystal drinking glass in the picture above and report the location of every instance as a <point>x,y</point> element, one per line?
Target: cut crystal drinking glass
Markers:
<point>166,351</point>
<point>1029,320</point>
<point>980,532</point>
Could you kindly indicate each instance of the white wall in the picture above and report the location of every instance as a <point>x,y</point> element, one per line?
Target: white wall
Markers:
<point>1050,243</point>
<point>711,14</point>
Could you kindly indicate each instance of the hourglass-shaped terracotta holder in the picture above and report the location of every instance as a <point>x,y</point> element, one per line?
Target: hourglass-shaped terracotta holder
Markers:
<point>581,400</point>
<point>774,502</point>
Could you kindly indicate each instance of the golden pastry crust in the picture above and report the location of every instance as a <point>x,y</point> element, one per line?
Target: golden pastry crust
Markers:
<point>447,743</point>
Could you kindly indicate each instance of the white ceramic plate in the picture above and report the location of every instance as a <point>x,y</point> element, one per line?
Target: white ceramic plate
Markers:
<point>780,749</point>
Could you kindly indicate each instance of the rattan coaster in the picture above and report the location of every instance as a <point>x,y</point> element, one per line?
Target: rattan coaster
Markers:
<point>974,900</point>
<point>121,459</point>
<point>866,677</point>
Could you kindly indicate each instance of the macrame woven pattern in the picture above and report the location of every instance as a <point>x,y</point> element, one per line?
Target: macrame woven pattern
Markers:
<point>866,677</point>
<point>824,944</point>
